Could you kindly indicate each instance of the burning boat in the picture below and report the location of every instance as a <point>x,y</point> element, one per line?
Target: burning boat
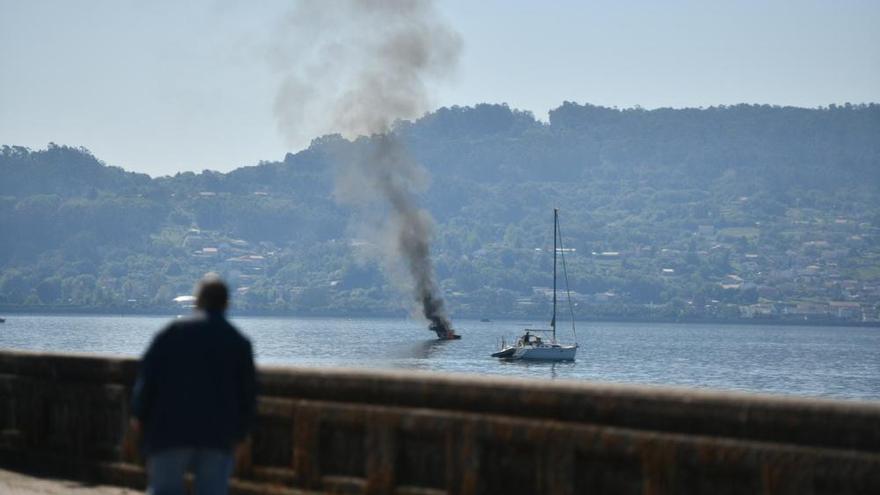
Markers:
<point>444,331</point>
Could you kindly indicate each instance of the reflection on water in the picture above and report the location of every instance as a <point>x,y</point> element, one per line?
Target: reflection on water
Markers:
<point>418,350</point>
<point>547,369</point>
<point>815,361</point>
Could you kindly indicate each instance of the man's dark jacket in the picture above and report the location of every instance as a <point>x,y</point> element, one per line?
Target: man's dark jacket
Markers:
<point>196,386</point>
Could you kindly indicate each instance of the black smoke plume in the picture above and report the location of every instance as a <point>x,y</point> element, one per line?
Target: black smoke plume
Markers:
<point>355,67</point>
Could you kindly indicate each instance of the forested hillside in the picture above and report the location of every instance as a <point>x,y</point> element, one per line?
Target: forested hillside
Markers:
<point>726,212</point>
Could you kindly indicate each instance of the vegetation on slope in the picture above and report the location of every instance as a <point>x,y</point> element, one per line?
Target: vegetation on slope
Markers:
<point>724,212</point>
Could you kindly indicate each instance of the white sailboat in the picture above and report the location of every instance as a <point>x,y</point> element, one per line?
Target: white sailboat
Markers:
<point>530,345</point>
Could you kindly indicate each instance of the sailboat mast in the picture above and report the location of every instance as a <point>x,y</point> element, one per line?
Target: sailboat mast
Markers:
<point>553,321</point>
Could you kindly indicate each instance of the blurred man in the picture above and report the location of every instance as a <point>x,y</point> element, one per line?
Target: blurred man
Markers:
<point>194,397</point>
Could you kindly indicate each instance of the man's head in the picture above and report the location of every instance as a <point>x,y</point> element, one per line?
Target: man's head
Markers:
<point>212,293</point>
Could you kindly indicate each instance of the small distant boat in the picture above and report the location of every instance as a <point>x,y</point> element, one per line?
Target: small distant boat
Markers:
<point>485,320</point>
<point>2,320</point>
<point>530,346</point>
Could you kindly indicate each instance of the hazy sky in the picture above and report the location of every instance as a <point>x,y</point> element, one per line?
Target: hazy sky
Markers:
<point>165,86</point>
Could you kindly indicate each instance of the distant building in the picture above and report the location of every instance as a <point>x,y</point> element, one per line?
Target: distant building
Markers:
<point>731,281</point>
<point>185,302</point>
<point>606,296</point>
<point>846,309</point>
<point>758,310</point>
<point>524,301</point>
<point>606,254</point>
<point>807,309</point>
<point>206,252</point>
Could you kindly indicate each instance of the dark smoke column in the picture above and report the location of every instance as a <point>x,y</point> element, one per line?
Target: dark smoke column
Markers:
<point>413,227</point>
<point>354,67</point>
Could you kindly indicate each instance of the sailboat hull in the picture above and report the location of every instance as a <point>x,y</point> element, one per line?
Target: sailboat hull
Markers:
<point>546,353</point>
<point>507,352</point>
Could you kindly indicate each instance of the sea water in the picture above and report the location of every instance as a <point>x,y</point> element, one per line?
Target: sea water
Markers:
<point>839,362</point>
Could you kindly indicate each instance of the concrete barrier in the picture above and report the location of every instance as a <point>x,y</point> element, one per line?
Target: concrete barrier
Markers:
<point>347,431</point>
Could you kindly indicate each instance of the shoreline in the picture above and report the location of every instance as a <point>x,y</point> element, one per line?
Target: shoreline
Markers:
<point>170,312</point>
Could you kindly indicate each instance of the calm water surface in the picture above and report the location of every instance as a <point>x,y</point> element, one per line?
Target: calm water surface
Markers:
<point>840,362</point>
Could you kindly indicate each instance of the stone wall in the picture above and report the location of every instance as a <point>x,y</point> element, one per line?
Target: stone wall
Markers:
<point>322,430</point>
